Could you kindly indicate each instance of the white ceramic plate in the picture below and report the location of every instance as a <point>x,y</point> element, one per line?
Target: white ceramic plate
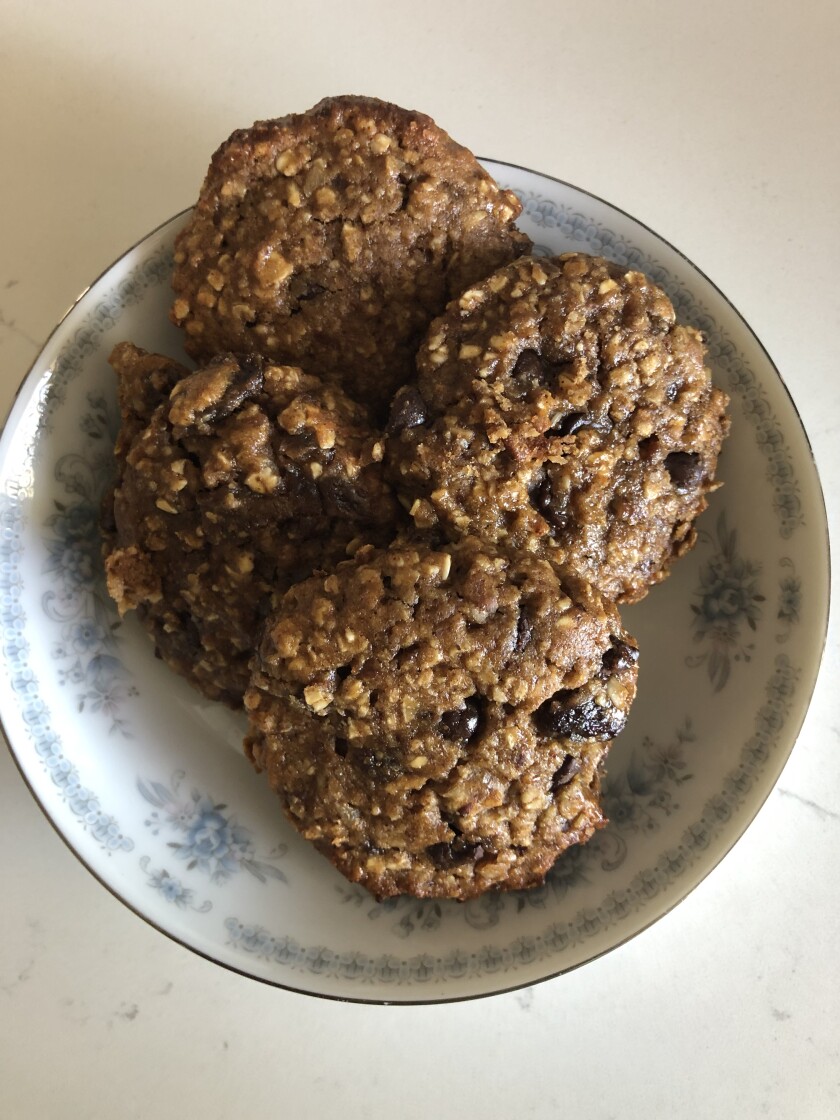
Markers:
<point>137,772</point>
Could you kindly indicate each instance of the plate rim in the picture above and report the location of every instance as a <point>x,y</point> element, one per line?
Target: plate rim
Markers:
<point>817,647</point>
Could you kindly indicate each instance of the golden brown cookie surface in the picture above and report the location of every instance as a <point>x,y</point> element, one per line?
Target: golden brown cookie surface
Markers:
<point>559,405</point>
<point>330,239</point>
<point>246,477</point>
<point>434,717</point>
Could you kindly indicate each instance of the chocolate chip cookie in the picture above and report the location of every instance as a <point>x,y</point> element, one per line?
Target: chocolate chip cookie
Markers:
<point>331,238</point>
<point>434,717</point>
<point>246,477</point>
<point>560,407</point>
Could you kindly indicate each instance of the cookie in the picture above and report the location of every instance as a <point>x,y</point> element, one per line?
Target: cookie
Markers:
<point>246,477</point>
<point>560,407</point>
<point>144,380</point>
<point>330,239</point>
<point>434,718</point>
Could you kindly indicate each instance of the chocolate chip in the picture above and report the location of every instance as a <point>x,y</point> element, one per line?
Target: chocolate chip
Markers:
<point>340,747</point>
<point>570,768</point>
<point>530,370</point>
<point>685,469</point>
<point>408,410</point>
<point>562,718</point>
<point>446,855</point>
<point>620,655</point>
<point>524,632</point>
<point>543,501</point>
<point>461,723</point>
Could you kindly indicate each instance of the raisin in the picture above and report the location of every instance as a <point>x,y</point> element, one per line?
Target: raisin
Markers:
<point>685,469</point>
<point>408,410</point>
<point>561,717</point>
<point>461,723</point>
<point>620,655</point>
<point>448,854</point>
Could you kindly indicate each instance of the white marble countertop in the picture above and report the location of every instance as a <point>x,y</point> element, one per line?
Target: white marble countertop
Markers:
<point>715,124</point>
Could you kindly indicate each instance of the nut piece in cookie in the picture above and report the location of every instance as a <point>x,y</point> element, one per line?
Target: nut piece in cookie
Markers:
<point>330,239</point>
<point>245,478</point>
<point>434,718</point>
<point>561,407</point>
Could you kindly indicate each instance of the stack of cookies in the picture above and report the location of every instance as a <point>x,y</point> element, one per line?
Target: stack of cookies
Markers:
<point>392,511</point>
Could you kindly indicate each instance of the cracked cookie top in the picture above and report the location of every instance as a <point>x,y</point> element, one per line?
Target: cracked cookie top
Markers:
<point>330,239</point>
<point>434,717</point>
<point>246,477</point>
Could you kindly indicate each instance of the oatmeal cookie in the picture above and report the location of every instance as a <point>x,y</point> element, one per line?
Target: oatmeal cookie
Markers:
<point>331,238</point>
<point>434,718</point>
<point>144,380</point>
<point>246,477</point>
<point>561,407</point>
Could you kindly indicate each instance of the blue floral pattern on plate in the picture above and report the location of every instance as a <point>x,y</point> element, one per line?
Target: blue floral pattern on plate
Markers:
<point>209,837</point>
<point>87,648</point>
<point>172,889</point>
<point>790,599</point>
<point>727,607</point>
